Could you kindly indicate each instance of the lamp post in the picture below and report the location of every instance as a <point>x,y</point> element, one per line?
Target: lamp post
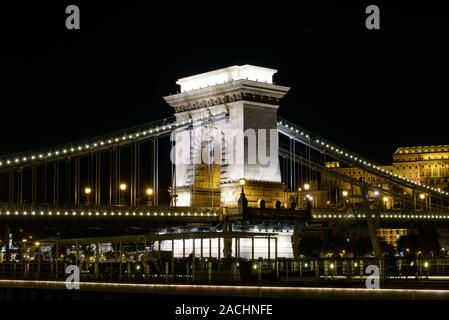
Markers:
<point>37,245</point>
<point>345,195</point>
<point>376,195</point>
<point>243,202</point>
<point>385,199</point>
<point>309,202</point>
<point>24,241</point>
<point>309,198</point>
<point>123,188</point>
<point>149,193</point>
<point>422,196</point>
<point>87,192</point>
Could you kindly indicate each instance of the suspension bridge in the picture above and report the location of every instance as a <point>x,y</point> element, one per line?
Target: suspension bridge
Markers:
<point>122,180</point>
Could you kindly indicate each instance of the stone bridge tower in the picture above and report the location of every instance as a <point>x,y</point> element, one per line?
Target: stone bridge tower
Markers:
<point>232,136</point>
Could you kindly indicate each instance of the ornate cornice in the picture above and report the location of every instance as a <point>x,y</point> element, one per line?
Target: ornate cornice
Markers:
<point>240,90</point>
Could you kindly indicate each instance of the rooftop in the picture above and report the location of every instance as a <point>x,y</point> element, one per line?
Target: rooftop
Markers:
<point>234,73</point>
<point>422,149</point>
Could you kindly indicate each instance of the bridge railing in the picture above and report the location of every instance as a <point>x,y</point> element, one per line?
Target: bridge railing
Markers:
<point>106,210</point>
<point>345,271</point>
<point>324,213</point>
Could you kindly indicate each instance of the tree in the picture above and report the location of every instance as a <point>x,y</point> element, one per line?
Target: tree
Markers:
<point>426,243</point>
<point>336,244</point>
<point>360,247</point>
<point>386,248</point>
<point>310,247</point>
<point>61,251</point>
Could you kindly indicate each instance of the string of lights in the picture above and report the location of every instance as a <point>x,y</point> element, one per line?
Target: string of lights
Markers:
<point>131,135</point>
<point>351,158</point>
<point>108,213</point>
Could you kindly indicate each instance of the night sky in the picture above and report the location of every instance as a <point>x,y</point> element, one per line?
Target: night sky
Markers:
<point>367,90</point>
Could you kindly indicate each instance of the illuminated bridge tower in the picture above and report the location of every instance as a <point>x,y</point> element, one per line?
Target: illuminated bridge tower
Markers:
<point>233,116</point>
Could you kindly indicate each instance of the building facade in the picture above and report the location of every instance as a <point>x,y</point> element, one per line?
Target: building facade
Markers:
<point>424,164</point>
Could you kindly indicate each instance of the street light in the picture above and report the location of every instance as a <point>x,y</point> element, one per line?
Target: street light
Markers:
<point>24,241</point>
<point>242,183</point>
<point>422,196</point>
<point>243,202</point>
<point>87,192</point>
<point>385,200</point>
<point>306,186</point>
<point>345,195</point>
<point>122,187</point>
<point>149,193</point>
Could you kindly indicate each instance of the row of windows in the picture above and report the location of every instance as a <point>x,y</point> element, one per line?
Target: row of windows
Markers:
<point>358,175</point>
<point>391,231</point>
<point>422,166</point>
<point>436,181</point>
<point>425,173</point>
<point>422,158</point>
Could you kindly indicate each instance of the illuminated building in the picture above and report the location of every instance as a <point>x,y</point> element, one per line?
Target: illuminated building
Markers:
<point>424,164</point>
<point>391,236</point>
<point>428,165</point>
<point>212,157</point>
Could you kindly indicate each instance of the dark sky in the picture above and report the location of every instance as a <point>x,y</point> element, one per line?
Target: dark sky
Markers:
<point>369,91</point>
